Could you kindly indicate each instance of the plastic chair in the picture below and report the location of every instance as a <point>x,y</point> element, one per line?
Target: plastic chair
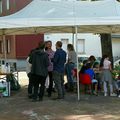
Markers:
<point>74,72</point>
<point>85,79</point>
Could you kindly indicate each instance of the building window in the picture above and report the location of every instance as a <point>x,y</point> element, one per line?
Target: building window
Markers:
<point>8,46</point>
<point>8,4</point>
<point>1,47</point>
<point>0,6</point>
<point>65,43</point>
<point>81,46</point>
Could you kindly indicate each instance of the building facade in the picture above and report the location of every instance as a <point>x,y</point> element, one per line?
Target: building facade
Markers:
<point>88,44</point>
<point>8,7</point>
<point>16,48</point>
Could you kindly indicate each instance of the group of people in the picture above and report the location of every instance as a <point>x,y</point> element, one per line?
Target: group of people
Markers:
<point>42,62</point>
<point>88,75</point>
<point>101,76</point>
<point>107,77</point>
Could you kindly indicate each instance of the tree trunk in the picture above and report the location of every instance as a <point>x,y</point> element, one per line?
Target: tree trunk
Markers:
<point>106,44</point>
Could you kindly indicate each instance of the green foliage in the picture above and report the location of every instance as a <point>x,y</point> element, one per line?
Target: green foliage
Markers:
<point>116,72</point>
<point>2,89</point>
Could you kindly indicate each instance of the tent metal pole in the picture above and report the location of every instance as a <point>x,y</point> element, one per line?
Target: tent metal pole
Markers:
<point>76,39</point>
<point>4,46</point>
<point>73,38</point>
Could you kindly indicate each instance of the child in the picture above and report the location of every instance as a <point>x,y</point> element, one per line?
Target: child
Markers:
<point>90,71</point>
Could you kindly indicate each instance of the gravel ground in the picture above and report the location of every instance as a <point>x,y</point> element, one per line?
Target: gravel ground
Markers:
<point>90,107</point>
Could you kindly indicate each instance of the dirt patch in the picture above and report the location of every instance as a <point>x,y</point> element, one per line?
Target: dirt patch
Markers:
<point>90,107</point>
<point>19,107</point>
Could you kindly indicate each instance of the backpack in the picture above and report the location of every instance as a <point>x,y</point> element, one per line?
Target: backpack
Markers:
<point>14,85</point>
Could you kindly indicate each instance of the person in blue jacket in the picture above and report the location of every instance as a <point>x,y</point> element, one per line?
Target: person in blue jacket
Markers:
<point>58,69</point>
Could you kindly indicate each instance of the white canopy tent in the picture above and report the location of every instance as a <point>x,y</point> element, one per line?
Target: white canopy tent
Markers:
<point>63,17</point>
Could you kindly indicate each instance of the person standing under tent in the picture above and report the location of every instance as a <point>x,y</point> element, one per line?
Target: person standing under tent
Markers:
<point>50,53</point>
<point>58,69</point>
<point>70,65</point>
<point>40,62</point>
<point>105,66</point>
<point>28,71</point>
<point>92,60</point>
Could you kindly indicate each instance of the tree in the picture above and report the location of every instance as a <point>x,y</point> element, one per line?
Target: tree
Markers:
<point>106,44</point>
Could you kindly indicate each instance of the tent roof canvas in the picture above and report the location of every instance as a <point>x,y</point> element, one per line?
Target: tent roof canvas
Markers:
<point>62,17</point>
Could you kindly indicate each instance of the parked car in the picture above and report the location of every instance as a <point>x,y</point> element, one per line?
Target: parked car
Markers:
<point>116,62</point>
<point>81,58</point>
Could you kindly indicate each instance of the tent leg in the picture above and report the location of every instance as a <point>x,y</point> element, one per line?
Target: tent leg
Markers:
<point>4,46</point>
<point>78,85</point>
<point>73,38</point>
